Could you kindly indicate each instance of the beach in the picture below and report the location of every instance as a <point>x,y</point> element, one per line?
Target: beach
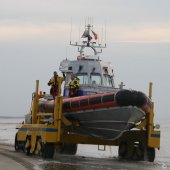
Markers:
<point>89,157</point>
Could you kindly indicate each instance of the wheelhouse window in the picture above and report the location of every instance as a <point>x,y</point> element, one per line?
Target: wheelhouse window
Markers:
<point>83,77</point>
<point>107,80</point>
<point>95,78</point>
<point>68,78</point>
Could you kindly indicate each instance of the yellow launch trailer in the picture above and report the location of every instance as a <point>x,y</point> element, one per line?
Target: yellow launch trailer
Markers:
<point>47,137</point>
<point>41,136</point>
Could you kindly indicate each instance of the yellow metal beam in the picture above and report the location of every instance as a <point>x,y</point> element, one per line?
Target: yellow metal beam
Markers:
<point>153,136</point>
<point>150,90</point>
<point>58,109</point>
<point>35,104</point>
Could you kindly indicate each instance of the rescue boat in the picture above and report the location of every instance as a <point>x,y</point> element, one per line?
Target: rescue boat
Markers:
<point>101,109</point>
<point>101,115</point>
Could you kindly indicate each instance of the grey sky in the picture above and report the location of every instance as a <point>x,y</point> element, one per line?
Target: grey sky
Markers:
<point>35,34</point>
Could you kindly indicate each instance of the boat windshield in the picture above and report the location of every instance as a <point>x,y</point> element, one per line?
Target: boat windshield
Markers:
<point>107,80</point>
<point>68,78</point>
<point>95,78</point>
<point>83,77</point>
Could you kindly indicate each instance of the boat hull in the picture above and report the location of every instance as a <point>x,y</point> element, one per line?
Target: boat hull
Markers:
<point>107,123</point>
<point>99,115</point>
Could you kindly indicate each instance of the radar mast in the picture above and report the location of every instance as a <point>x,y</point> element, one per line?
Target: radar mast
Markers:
<point>90,41</point>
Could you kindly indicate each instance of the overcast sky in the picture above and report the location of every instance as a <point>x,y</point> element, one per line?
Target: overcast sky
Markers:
<point>34,38</point>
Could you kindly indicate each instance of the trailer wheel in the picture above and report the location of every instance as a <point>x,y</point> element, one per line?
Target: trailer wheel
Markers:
<point>48,150</point>
<point>66,148</point>
<point>126,150</point>
<point>16,143</point>
<point>70,148</point>
<point>138,151</point>
<point>150,154</point>
<point>122,152</point>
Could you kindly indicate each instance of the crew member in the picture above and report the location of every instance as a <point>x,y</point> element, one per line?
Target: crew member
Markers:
<point>53,82</point>
<point>74,86</point>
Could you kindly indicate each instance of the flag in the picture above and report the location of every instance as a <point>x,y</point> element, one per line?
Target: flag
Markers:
<point>95,35</point>
<point>89,37</point>
<point>85,34</point>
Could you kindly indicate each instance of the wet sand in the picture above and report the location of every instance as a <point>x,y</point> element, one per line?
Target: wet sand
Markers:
<point>10,164</point>
<point>20,161</point>
<point>65,162</point>
<point>87,158</point>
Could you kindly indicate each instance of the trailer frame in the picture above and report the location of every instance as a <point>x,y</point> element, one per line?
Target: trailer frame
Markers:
<point>47,137</point>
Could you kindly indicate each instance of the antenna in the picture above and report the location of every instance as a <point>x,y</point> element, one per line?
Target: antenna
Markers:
<point>102,36</point>
<point>105,32</point>
<point>85,20</point>
<point>70,29</point>
<point>79,34</point>
<point>90,35</point>
<point>66,52</point>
